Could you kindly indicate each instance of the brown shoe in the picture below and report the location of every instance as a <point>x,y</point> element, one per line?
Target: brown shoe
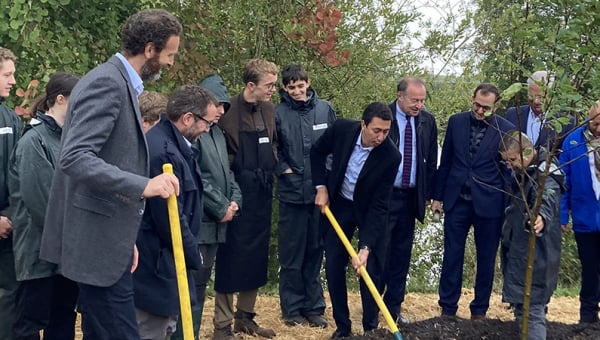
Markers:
<point>244,323</point>
<point>224,333</point>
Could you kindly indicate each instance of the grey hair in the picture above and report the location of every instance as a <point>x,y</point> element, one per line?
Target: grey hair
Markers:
<point>540,77</point>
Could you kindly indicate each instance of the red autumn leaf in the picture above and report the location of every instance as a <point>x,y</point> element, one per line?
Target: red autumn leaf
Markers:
<point>345,54</point>
<point>21,111</point>
<point>319,16</point>
<point>324,47</point>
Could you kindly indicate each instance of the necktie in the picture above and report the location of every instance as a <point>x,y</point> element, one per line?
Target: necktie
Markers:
<point>407,155</point>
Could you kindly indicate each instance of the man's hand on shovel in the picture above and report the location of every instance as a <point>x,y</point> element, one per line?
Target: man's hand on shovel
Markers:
<point>360,260</point>
<point>322,198</point>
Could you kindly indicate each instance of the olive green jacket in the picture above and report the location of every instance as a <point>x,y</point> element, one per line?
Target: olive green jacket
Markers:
<point>220,186</point>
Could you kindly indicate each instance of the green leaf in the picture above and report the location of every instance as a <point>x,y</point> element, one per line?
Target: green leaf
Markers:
<point>16,24</point>
<point>511,91</point>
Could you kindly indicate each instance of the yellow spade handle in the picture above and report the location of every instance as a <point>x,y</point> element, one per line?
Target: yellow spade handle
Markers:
<point>182,281</point>
<point>363,271</point>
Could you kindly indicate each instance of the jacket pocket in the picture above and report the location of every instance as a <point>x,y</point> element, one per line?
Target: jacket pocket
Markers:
<point>94,205</point>
<point>165,264</point>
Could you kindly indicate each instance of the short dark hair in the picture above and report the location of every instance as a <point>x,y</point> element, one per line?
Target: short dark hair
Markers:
<point>189,98</point>
<point>376,109</point>
<point>154,26</point>
<point>59,84</point>
<point>293,73</point>
<point>152,105</point>
<point>487,88</point>
<point>403,84</point>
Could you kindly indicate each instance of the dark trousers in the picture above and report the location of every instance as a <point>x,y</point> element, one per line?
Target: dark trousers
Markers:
<point>336,260</point>
<point>588,247</point>
<point>457,223</point>
<point>300,258</point>
<point>403,207</point>
<point>208,253</point>
<point>8,289</point>
<point>108,313</point>
<point>46,304</point>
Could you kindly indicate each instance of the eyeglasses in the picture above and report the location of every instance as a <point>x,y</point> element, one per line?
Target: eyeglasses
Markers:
<point>208,122</point>
<point>269,86</point>
<point>539,97</point>
<point>485,108</point>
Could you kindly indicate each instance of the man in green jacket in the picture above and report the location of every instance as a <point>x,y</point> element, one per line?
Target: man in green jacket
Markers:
<point>9,134</point>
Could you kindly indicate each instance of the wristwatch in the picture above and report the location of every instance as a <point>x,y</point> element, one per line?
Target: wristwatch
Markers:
<point>365,248</point>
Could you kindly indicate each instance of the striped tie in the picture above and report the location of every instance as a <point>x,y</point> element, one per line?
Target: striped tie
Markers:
<point>407,156</point>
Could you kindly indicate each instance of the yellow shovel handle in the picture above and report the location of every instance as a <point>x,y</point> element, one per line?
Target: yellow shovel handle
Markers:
<point>363,272</point>
<point>180,269</point>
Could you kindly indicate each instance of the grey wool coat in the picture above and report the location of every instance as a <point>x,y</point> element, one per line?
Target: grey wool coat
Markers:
<point>95,205</point>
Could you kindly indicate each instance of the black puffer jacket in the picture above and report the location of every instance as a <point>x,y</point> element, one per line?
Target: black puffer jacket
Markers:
<point>515,235</point>
<point>299,124</point>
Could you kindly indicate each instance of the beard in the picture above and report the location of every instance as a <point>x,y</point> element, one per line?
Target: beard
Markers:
<point>191,134</point>
<point>151,69</point>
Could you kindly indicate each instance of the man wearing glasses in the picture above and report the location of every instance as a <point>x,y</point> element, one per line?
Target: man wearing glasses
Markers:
<point>242,261</point>
<point>190,110</point>
<point>470,184</point>
<point>531,119</point>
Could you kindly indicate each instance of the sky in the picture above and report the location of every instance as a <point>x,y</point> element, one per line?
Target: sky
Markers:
<point>437,12</point>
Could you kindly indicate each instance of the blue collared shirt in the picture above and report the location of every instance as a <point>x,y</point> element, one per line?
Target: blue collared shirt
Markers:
<point>355,165</point>
<point>134,77</point>
<point>401,119</point>
<point>534,125</point>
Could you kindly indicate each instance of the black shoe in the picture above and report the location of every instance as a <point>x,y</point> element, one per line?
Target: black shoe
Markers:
<point>451,317</point>
<point>340,335</point>
<point>316,321</point>
<point>295,320</point>
<point>477,317</point>
<point>401,320</point>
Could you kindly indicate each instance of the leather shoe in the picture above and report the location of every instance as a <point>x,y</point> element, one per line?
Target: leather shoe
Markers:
<point>295,320</point>
<point>401,320</point>
<point>316,321</point>
<point>477,317</point>
<point>448,316</point>
<point>244,323</point>
<point>340,335</point>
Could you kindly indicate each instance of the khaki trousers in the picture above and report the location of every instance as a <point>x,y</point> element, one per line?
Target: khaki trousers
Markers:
<point>224,312</point>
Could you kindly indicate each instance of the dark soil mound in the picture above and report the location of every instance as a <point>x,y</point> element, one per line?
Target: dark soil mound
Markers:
<point>489,329</point>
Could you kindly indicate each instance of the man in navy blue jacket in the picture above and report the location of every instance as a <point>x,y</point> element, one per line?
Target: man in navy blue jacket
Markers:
<point>190,112</point>
<point>532,120</point>
<point>470,183</point>
<point>414,132</point>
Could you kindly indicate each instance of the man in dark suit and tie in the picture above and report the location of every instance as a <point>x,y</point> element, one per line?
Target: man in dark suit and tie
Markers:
<point>470,184</point>
<point>358,188</point>
<point>99,188</point>
<point>414,132</point>
<point>531,119</point>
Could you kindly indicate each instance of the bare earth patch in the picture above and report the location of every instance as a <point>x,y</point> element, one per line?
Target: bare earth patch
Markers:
<point>423,312</point>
